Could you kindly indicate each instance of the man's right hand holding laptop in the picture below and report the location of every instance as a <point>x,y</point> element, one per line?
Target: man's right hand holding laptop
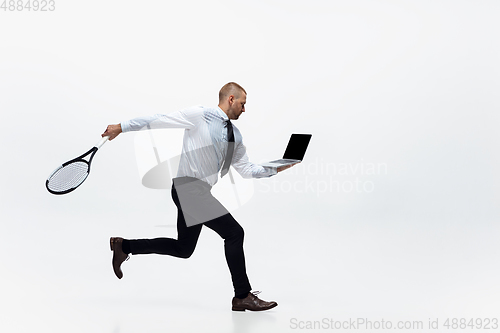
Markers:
<point>284,167</point>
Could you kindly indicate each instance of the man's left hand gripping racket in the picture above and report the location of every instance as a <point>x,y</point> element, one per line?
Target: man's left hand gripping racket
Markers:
<point>70,175</point>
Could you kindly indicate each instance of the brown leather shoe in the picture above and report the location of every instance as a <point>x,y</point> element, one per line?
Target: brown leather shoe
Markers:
<point>252,303</point>
<point>118,255</point>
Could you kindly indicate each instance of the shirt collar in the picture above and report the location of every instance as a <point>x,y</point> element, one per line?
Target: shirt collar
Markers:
<point>222,114</point>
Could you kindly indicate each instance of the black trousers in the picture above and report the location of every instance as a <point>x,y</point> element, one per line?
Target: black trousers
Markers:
<point>187,237</point>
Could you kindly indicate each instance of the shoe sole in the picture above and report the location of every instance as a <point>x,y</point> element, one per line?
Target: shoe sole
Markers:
<point>243,309</point>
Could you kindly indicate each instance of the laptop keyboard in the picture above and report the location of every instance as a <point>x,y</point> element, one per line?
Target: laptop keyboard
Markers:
<point>283,161</point>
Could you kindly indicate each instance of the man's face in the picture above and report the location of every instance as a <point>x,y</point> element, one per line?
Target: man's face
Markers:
<point>238,106</point>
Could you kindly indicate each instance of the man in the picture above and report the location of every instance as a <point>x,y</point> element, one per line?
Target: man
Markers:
<point>211,144</point>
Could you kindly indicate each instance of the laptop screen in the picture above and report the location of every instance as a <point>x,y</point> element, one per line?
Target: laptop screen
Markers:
<point>297,146</point>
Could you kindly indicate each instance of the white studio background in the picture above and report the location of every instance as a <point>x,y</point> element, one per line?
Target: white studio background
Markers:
<point>392,215</point>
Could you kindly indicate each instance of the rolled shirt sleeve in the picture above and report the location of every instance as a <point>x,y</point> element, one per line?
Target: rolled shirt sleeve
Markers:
<point>248,169</point>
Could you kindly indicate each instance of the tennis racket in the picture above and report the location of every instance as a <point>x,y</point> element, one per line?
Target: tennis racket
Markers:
<point>70,175</point>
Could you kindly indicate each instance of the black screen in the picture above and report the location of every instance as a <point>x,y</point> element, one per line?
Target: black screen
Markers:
<point>297,146</point>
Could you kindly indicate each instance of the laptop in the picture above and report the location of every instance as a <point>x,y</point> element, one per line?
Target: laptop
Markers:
<point>295,151</point>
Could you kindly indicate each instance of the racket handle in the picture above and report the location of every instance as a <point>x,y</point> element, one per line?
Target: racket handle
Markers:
<point>103,141</point>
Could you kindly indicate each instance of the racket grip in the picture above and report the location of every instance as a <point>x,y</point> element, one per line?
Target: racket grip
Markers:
<point>103,141</point>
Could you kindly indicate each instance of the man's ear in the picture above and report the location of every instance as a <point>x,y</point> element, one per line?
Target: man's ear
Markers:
<point>231,100</point>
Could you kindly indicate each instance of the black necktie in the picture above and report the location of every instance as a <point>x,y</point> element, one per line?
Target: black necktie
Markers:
<point>230,149</point>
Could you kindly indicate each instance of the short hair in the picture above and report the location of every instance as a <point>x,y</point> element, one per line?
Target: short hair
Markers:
<point>230,89</point>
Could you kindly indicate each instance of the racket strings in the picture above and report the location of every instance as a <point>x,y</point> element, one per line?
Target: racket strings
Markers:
<point>68,177</point>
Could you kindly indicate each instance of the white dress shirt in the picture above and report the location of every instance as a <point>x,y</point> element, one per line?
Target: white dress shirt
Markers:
<point>204,145</point>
